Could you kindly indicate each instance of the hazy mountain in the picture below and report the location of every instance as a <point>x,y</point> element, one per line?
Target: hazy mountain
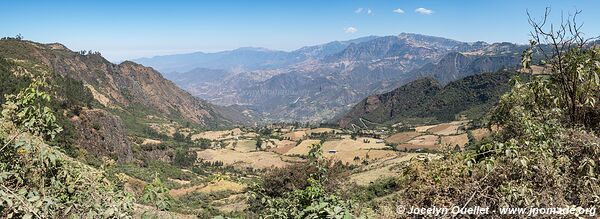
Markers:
<point>456,65</point>
<point>247,58</point>
<point>243,59</point>
<point>325,80</point>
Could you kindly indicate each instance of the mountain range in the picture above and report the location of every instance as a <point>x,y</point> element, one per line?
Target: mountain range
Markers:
<point>317,83</point>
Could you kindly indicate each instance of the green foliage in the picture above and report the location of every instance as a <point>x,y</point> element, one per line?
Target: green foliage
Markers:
<point>146,173</point>
<point>204,143</point>
<point>180,137</point>
<point>544,153</point>
<point>426,101</point>
<point>10,83</point>
<point>184,158</point>
<point>36,180</point>
<point>70,96</point>
<point>157,194</point>
<point>379,188</point>
<point>303,195</point>
<point>192,202</point>
<point>29,110</point>
<point>311,202</point>
<point>258,143</point>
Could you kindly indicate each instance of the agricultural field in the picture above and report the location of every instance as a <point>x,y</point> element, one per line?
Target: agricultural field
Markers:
<point>230,161</point>
<point>442,136</point>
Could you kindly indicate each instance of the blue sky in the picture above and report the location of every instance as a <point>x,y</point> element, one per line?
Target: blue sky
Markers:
<point>129,29</point>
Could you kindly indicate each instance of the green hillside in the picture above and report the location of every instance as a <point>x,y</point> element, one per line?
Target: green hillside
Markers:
<point>425,100</point>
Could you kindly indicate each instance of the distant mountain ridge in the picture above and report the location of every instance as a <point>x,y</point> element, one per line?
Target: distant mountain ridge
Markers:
<point>319,82</point>
<point>244,58</point>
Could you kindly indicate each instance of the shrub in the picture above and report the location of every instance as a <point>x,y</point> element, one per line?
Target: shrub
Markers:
<point>184,158</point>
<point>299,191</point>
<point>36,179</point>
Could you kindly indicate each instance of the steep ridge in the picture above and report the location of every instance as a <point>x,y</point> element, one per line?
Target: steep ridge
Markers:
<point>455,65</point>
<point>426,100</point>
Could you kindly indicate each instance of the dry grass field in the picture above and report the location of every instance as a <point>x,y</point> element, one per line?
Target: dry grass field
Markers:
<point>424,141</point>
<point>346,150</point>
<point>302,148</point>
<point>451,128</point>
<point>380,169</point>
<point>283,146</point>
<point>481,133</point>
<point>453,140</point>
<point>321,130</point>
<point>402,137</point>
<point>257,159</point>
<point>353,145</point>
<point>218,135</point>
<point>296,135</point>
<point>148,141</point>
<point>370,155</point>
<point>424,128</point>
<point>222,185</point>
<point>244,146</point>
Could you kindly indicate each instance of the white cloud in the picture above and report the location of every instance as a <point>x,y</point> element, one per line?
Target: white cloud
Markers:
<point>350,30</point>
<point>424,11</point>
<point>369,12</point>
<point>358,10</point>
<point>398,10</point>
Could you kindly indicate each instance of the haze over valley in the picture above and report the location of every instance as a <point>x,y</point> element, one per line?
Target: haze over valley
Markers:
<point>318,83</point>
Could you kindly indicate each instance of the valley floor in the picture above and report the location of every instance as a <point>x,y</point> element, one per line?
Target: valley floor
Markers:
<point>229,162</point>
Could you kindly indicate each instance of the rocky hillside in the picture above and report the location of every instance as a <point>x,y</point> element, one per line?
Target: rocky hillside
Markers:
<point>124,86</point>
<point>103,106</point>
<point>426,100</point>
<point>455,65</point>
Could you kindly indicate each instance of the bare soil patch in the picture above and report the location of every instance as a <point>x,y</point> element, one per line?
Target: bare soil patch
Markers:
<point>402,137</point>
<point>451,128</point>
<point>424,140</point>
<point>424,128</point>
<point>453,140</point>
<point>296,135</point>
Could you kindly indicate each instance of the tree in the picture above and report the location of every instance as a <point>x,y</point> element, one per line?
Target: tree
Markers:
<point>310,201</point>
<point>258,143</point>
<point>457,148</point>
<point>157,194</point>
<point>183,157</point>
<point>574,80</point>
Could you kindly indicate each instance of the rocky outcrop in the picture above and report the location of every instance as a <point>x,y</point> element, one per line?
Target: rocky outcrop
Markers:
<point>102,134</point>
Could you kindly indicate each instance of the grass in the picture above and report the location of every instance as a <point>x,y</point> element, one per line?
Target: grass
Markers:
<point>162,169</point>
